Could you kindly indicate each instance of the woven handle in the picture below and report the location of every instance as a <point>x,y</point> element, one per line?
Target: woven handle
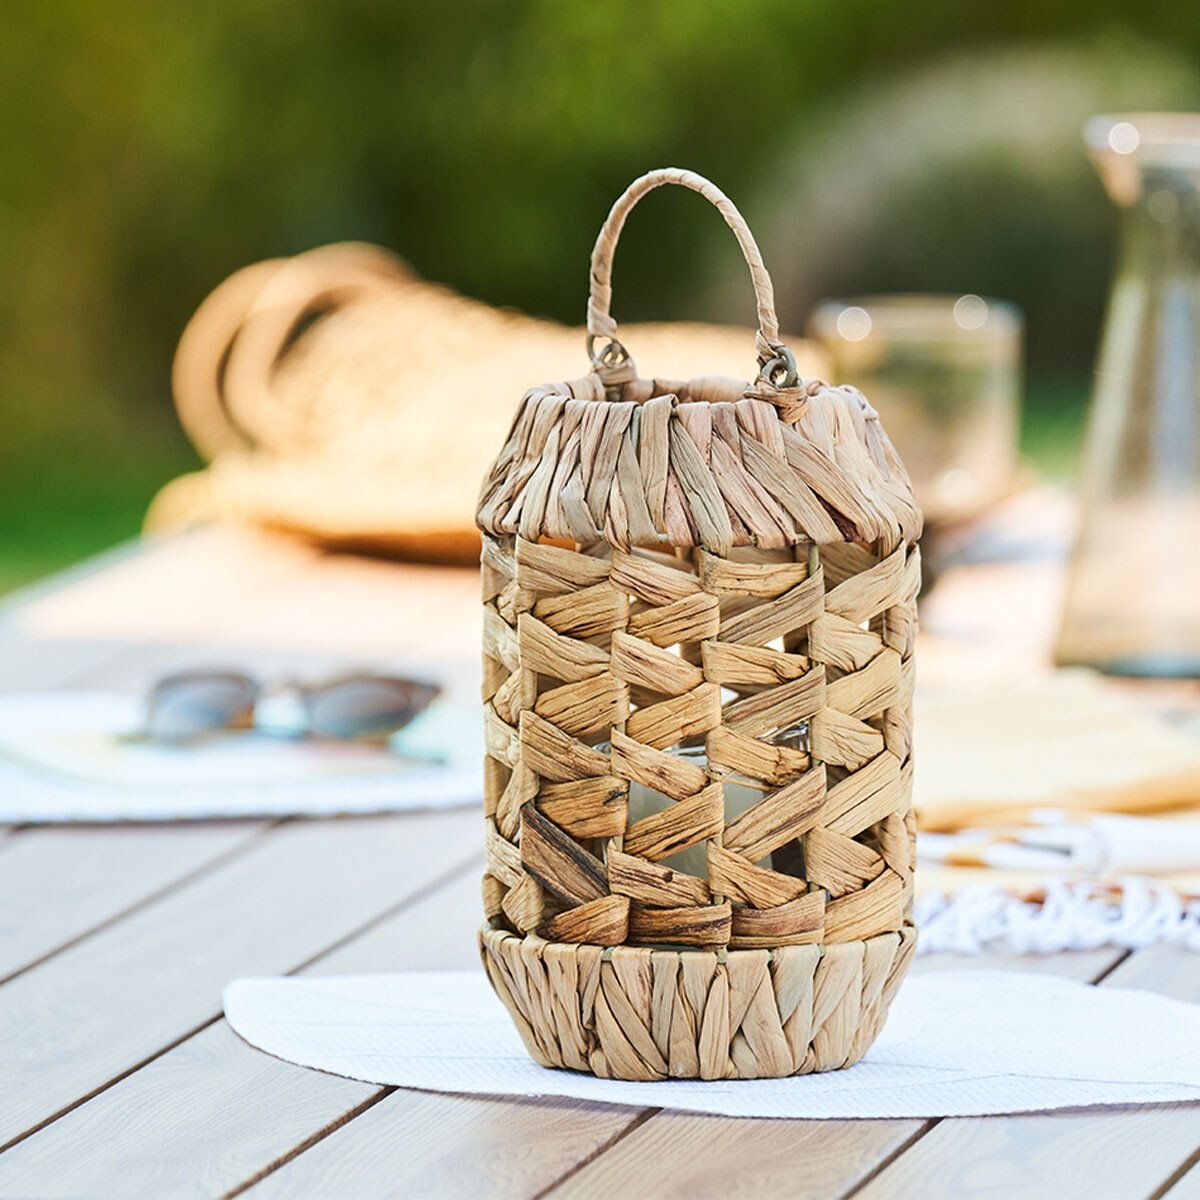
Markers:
<point>777,367</point>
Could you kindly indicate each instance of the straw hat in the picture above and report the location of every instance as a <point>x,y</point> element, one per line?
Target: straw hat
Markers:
<point>338,396</point>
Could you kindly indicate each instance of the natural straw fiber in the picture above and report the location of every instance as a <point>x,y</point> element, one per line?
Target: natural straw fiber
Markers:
<point>320,387</point>
<point>699,616</point>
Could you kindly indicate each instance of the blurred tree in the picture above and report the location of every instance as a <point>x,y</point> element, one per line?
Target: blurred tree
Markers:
<point>968,176</point>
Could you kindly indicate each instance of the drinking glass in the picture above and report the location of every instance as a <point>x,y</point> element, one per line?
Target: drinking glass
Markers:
<point>944,374</point>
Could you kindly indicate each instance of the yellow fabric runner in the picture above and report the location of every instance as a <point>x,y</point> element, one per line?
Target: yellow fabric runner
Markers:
<point>1066,740</point>
<point>1070,740</point>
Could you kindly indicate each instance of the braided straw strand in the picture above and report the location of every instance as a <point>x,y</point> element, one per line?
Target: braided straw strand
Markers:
<point>597,665</point>
<point>600,322</point>
<point>669,470</point>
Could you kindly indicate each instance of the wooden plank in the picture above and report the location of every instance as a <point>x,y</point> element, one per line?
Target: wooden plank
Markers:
<point>105,1005</point>
<point>421,1144</point>
<point>440,932</point>
<point>163,1132</point>
<point>1111,1153</point>
<point>762,1161</point>
<point>212,1113</point>
<point>734,1157</point>
<point>131,989</point>
<point>1169,970</point>
<point>1174,972</point>
<point>58,883</point>
<point>673,1154</point>
<point>224,1113</point>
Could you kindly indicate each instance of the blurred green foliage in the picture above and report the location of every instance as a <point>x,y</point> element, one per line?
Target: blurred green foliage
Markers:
<point>148,150</point>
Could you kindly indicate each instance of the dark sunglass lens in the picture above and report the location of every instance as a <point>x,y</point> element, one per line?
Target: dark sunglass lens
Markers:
<point>182,706</point>
<point>367,707</point>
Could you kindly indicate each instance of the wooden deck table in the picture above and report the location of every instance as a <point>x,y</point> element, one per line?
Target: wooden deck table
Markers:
<point>119,1078</point>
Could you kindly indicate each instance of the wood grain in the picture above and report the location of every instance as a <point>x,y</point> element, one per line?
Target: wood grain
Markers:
<point>1122,1153</point>
<point>125,994</point>
<point>1169,970</point>
<point>1068,1156</point>
<point>419,1144</point>
<point>212,1112</point>
<point>194,1122</point>
<point>439,932</point>
<point>414,941</point>
<point>274,607</point>
<point>412,1144</point>
<point>94,874</point>
<point>679,1155</point>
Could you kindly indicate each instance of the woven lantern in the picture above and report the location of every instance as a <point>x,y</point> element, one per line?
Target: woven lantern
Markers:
<point>699,616</point>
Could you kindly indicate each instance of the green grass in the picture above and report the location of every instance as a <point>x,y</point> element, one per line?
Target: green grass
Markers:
<point>1052,425</point>
<point>51,529</point>
<point>70,492</point>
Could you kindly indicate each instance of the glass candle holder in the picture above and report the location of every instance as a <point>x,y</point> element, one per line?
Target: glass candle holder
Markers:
<point>1133,596</point>
<point>739,796</point>
<point>944,373</point>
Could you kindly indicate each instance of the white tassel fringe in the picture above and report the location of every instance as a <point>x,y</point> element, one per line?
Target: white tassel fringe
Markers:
<point>1133,913</point>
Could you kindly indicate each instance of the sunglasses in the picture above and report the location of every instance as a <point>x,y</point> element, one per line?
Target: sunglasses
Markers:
<point>189,704</point>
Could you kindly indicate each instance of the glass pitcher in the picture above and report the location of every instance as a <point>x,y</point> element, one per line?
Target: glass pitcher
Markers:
<point>1133,595</point>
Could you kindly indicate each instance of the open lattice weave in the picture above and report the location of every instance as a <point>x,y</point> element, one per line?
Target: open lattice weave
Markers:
<point>699,617</point>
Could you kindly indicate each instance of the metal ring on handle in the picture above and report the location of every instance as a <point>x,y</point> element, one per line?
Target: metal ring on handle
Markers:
<point>776,362</point>
<point>780,372</point>
<point>612,356</point>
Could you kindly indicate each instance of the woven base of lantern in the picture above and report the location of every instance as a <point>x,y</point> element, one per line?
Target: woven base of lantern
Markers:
<point>642,1014</point>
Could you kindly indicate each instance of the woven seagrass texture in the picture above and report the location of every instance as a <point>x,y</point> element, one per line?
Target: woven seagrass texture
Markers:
<point>320,387</point>
<point>699,619</point>
<point>634,1013</point>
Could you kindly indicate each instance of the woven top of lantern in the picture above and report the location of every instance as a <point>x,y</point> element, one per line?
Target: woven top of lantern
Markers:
<point>713,462</point>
